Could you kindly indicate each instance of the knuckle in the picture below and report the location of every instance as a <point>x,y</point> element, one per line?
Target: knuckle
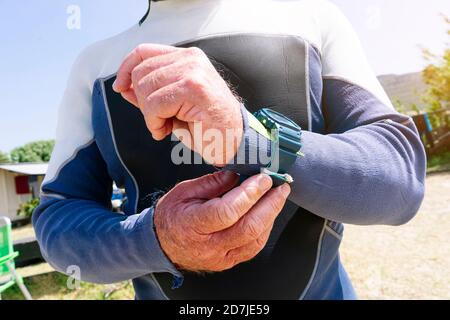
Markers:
<point>230,213</point>
<point>261,242</point>
<point>201,221</point>
<point>135,74</point>
<point>193,81</point>
<point>154,79</point>
<point>147,108</point>
<point>277,204</point>
<point>153,127</point>
<point>180,186</point>
<point>234,210</point>
<point>195,51</point>
<point>142,70</point>
<point>149,125</point>
<point>140,86</point>
<point>282,195</point>
<point>252,192</point>
<point>232,258</point>
<point>196,227</point>
<point>179,190</point>
<point>221,212</point>
<point>140,49</point>
<point>198,253</point>
<point>253,229</point>
<point>192,64</point>
<point>246,200</point>
<point>166,99</point>
<point>214,180</point>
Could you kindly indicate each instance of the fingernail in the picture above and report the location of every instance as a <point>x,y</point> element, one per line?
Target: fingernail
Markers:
<point>286,189</point>
<point>265,181</point>
<point>227,174</point>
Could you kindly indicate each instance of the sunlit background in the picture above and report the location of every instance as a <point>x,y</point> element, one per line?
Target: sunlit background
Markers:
<point>38,48</point>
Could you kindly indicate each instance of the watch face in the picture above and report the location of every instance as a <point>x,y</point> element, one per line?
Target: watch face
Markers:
<point>280,119</point>
<point>277,118</point>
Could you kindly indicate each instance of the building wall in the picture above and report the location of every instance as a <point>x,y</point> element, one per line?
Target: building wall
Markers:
<point>3,194</point>
<point>9,200</point>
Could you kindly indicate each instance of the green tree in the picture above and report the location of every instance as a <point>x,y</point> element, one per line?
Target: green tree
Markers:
<point>437,76</point>
<point>4,157</point>
<point>401,108</point>
<point>39,151</point>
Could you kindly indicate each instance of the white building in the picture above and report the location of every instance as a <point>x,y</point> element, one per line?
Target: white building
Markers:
<point>18,184</point>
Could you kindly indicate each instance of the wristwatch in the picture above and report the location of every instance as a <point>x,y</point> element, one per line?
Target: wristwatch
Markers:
<point>286,140</point>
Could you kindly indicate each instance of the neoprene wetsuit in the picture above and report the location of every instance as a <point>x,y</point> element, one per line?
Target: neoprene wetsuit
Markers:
<point>364,162</point>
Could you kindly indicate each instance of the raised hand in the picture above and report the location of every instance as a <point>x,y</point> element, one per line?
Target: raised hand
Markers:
<point>176,88</point>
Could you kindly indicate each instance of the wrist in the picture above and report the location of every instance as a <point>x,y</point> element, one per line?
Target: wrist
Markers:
<point>286,142</point>
<point>159,227</point>
<point>270,141</point>
<point>254,149</point>
<point>151,246</point>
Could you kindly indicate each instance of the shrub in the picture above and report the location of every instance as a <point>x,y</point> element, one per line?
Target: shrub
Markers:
<point>26,209</point>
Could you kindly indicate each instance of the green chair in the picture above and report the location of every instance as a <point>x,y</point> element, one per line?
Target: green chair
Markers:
<point>7,255</point>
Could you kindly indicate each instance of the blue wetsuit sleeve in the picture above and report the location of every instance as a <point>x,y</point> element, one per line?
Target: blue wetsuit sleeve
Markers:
<point>74,223</point>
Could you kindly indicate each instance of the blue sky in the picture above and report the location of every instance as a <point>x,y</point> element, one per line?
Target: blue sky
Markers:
<point>37,49</point>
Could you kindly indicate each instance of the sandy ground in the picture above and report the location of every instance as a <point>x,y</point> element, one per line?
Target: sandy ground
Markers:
<point>407,262</point>
<point>23,232</point>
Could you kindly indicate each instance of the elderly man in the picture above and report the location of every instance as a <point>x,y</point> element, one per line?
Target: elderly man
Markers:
<point>219,228</point>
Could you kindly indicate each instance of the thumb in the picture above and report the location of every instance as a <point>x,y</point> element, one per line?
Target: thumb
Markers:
<point>130,96</point>
<point>210,186</point>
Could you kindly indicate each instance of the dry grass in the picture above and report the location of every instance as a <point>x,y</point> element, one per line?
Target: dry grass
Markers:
<point>408,262</point>
<point>55,286</point>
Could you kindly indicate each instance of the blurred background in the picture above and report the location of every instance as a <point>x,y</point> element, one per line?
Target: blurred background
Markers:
<point>407,43</point>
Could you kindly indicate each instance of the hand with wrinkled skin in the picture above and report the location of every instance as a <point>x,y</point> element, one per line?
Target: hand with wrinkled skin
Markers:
<point>209,225</point>
<point>177,87</point>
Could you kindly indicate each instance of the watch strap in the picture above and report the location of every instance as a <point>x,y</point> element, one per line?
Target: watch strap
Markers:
<point>256,125</point>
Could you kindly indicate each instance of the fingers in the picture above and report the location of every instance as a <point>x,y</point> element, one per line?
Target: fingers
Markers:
<point>165,82</point>
<point>248,251</point>
<point>154,64</point>
<point>209,186</point>
<point>222,213</point>
<point>166,103</point>
<point>181,131</point>
<point>130,96</point>
<point>137,56</point>
<point>259,219</point>
<point>169,101</point>
<point>241,199</point>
